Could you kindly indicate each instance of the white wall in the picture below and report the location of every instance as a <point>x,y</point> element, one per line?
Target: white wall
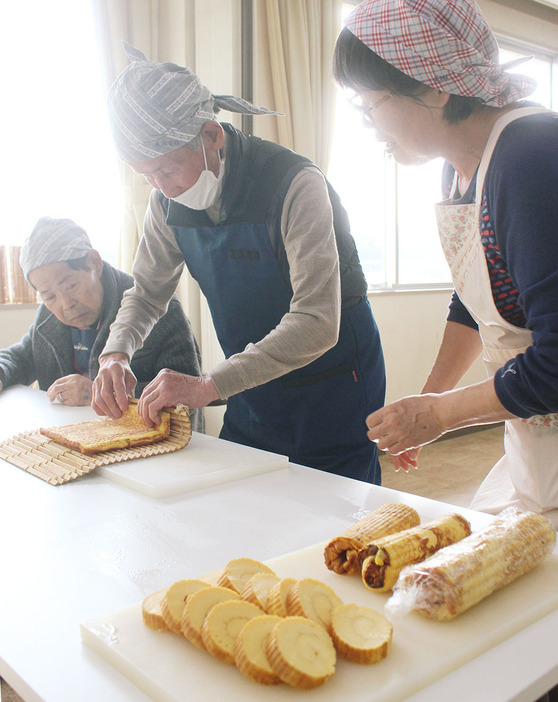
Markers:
<point>15,320</point>
<point>411,326</point>
<point>523,20</point>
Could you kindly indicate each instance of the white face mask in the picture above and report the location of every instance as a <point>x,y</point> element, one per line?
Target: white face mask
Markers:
<point>205,190</point>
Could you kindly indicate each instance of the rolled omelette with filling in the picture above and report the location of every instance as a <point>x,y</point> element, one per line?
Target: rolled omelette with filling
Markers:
<point>384,558</point>
<point>341,553</point>
<point>458,577</point>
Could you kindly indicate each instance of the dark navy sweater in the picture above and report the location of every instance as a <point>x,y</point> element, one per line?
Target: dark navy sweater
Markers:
<point>520,239</point>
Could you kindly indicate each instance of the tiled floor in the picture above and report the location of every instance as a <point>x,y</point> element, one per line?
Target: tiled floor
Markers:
<point>7,694</point>
<point>451,469</point>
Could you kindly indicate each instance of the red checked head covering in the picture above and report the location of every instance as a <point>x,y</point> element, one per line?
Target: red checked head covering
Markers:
<point>445,44</point>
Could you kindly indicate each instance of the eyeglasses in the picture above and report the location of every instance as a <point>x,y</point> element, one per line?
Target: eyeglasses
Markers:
<point>367,109</point>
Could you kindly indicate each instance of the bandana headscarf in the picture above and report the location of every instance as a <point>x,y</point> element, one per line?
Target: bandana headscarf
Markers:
<point>445,44</point>
<point>155,108</point>
<point>52,241</point>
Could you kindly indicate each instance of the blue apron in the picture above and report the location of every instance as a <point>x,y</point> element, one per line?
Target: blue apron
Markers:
<point>316,414</point>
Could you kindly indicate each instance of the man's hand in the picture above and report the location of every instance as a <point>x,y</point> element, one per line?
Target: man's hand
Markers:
<point>114,383</point>
<point>74,390</point>
<point>170,389</point>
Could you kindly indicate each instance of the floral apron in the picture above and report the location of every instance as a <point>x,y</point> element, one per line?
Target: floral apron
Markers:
<point>527,475</point>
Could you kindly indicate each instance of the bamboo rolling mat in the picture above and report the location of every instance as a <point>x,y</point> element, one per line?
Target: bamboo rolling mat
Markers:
<point>57,464</point>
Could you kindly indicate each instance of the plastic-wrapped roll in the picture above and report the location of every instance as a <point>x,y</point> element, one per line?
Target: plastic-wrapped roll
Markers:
<point>385,558</point>
<point>342,553</point>
<point>459,576</point>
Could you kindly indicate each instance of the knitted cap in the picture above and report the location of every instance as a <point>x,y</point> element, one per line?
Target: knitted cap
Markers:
<point>52,241</point>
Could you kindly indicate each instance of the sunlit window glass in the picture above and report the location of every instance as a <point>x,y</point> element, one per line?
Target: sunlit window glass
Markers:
<point>58,159</point>
<point>359,171</point>
<point>538,68</point>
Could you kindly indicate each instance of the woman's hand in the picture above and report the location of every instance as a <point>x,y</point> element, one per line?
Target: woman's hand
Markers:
<point>420,419</point>
<point>406,424</point>
<point>74,390</point>
<point>406,460</point>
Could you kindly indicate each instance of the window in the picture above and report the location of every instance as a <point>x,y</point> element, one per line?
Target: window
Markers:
<point>58,159</point>
<point>391,206</point>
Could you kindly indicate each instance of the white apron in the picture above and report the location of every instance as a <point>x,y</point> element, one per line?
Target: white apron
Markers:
<point>527,475</point>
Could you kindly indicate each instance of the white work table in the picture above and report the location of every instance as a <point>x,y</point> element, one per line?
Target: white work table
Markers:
<point>76,551</point>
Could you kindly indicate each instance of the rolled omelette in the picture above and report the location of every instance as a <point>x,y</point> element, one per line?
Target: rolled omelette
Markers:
<point>341,553</point>
<point>384,558</point>
<point>459,576</point>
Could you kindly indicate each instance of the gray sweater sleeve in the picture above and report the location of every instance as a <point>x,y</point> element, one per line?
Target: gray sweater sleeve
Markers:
<point>305,332</point>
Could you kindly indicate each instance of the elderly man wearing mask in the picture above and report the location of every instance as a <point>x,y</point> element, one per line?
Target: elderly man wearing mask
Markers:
<point>428,76</point>
<point>268,241</point>
<point>81,295</point>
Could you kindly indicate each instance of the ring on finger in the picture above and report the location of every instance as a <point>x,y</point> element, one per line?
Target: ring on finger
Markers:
<point>60,397</point>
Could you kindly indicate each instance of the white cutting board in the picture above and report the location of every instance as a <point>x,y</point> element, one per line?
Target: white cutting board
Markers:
<point>170,669</point>
<point>204,462</point>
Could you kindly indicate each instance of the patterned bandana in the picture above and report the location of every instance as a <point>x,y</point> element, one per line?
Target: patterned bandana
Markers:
<point>155,108</point>
<point>445,44</point>
<point>52,241</point>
